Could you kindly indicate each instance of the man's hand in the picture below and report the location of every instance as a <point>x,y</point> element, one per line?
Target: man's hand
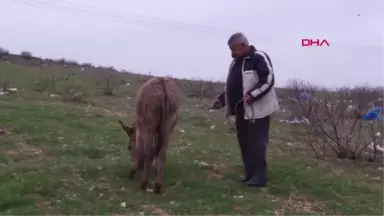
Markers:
<point>248,99</point>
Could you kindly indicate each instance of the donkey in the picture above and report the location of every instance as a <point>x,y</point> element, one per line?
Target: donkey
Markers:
<point>157,108</point>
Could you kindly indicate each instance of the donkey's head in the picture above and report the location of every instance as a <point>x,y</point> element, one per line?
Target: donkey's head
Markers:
<point>131,132</point>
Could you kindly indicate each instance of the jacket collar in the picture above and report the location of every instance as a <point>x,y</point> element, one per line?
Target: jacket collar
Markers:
<point>250,53</point>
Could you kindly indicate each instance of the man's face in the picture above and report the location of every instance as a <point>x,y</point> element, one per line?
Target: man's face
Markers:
<point>238,50</point>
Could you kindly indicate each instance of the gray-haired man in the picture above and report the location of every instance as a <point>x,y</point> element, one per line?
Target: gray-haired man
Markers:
<point>250,96</point>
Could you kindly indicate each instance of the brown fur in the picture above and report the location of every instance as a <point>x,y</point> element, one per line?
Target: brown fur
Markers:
<point>157,107</point>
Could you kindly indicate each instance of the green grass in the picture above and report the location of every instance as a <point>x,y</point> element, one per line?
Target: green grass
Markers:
<point>57,159</point>
<point>71,158</point>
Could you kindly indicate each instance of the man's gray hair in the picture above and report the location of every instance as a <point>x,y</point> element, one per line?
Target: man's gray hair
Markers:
<point>238,38</point>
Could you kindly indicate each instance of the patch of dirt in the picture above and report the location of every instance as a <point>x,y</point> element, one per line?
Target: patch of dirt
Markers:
<point>219,169</point>
<point>103,183</point>
<point>22,148</point>
<point>365,170</point>
<point>154,210</point>
<point>45,206</point>
<point>89,108</point>
<point>214,176</point>
<point>110,113</point>
<point>19,148</point>
<point>3,131</point>
<point>295,203</point>
<point>216,171</point>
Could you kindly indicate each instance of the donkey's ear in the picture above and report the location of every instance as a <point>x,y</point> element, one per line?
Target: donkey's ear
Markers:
<point>128,130</point>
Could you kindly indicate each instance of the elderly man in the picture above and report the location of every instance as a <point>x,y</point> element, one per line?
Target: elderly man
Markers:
<point>250,96</point>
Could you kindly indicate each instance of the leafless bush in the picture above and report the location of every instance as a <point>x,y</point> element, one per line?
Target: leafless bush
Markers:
<point>108,84</point>
<point>198,88</point>
<point>292,98</point>
<point>26,55</point>
<point>49,82</point>
<point>73,93</point>
<point>42,84</point>
<point>334,119</point>
<point>45,83</point>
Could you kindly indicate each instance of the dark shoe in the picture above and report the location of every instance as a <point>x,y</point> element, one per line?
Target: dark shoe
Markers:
<point>256,181</point>
<point>243,179</point>
<point>256,185</point>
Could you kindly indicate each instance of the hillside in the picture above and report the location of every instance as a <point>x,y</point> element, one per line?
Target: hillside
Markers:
<point>63,152</point>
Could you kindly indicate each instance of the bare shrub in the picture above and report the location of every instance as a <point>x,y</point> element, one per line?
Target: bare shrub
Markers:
<point>198,88</point>
<point>73,92</point>
<point>108,83</point>
<point>42,84</point>
<point>26,55</point>
<point>295,98</point>
<point>334,123</point>
<point>45,83</point>
<point>50,82</point>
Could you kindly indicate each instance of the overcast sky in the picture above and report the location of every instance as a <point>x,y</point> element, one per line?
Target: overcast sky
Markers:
<point>187,38</point>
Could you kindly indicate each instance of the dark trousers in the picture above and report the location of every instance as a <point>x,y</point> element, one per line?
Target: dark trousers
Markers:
<point>253,140</point>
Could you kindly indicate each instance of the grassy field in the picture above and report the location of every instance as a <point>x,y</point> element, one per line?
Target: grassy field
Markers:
<point>68,156</point>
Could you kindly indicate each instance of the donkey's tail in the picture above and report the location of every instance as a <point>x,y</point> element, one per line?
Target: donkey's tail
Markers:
<point>163,116</point>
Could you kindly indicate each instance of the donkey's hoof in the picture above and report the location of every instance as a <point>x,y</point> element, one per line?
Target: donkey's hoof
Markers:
<point>158,189</point>
<point>144,185</point>
<point>132,174</point>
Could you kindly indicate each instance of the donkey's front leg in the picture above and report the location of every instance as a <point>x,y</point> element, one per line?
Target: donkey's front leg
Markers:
<point>147,156</point>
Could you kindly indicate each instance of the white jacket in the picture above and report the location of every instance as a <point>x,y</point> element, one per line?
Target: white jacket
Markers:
<point>259,84</point>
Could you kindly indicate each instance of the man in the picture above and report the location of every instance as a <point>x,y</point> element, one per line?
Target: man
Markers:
<point>250,96</point>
